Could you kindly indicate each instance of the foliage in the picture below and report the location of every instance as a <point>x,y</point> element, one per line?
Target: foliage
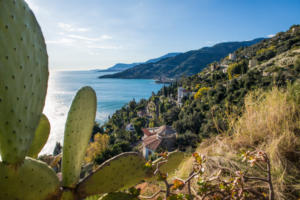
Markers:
<point>264,50</point>
<point>201,92</point>
<point>297,64</point>
<point>237,68</point>
<point>100,143</point>
<point>267,127</point>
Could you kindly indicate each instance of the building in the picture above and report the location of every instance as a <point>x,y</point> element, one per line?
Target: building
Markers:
<point>224,68</point>
<point>181,93</point>
<point>252,63</point>
<point>213,66</point>
<point>142,113</point>
<point>130,127</point>
<point>163,137</point>
<point>232,56</point>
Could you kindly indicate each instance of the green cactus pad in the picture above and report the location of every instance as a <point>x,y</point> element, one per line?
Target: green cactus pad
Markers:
<point>78,132</point>
<point>68,195</point>
<point>41,136</point>
<point>122,171</point>
<point>31,180</point>
<point>174,160</point>
<point>23,78</point>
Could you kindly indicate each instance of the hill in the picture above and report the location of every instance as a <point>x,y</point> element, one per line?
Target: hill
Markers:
<point>187,64</point>
<point>123,66</point>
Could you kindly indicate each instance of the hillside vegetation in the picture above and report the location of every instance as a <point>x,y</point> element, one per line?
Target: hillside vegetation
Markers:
<point>241,105</point>
<point>269,123</point>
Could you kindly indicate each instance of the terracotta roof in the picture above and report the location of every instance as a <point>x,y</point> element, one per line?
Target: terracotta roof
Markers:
<point>152,142</point>
<point>147,132</point>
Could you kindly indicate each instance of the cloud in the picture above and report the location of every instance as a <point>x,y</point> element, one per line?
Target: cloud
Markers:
<point>113,47</point>
<point>71,28</point>
<point>65,41</point>
<point>271,35</point>
<point>91,39</point>
<point>106,37</point>
<point>82,41</point>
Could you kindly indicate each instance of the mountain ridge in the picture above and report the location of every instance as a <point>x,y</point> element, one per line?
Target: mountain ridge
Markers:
<point>188,63</point>
<point>124,66</point>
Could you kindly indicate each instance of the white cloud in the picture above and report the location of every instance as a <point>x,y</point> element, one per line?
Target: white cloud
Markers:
<point>71,28</point>
<point>112,47</point>
<point>65,41</point>
<point>91,39</point>
<point>106,37</point>
<point>271,35</point>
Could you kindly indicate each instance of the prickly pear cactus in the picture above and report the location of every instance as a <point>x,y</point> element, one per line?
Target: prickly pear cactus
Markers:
<point>78,132</point>
<point>174,160</point>
<point>41,136</point>
<point>68,195</point>
<point>122,171</point>
<point>32,180</point>
<point>23,78</point>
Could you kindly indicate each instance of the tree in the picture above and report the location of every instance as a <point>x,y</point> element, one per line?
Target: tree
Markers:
<point>100,143</point>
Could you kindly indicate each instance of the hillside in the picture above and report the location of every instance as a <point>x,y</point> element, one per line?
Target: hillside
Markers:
<point>123,66</point>
<point>215,99</point>
<point>187,64</point>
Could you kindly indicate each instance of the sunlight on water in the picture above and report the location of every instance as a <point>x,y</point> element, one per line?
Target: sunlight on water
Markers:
<point>56,111</point>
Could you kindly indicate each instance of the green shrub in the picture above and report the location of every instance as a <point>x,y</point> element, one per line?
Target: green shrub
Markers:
<point>236,69</point>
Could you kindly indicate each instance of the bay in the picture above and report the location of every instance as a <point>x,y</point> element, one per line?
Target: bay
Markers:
<point>112,94</point>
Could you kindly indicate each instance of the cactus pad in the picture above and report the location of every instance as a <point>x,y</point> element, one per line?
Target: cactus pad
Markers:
<point>68,195</point>
<point>174,160</point>
<point>23,78</point>
<point>41,136</point>
<point>78,132</point>
<point>31,180</point>
<point>122,171</point>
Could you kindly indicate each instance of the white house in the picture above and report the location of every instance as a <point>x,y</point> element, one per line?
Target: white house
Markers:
<point>252,63</point>
<point>130,127</point>
<point>159,137</point>
<point>181,93</point>
<point>232,56</point>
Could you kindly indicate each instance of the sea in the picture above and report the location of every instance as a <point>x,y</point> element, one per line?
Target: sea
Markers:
<point>112,94</point>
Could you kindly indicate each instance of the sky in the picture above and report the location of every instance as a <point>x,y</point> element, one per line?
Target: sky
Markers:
<point>96,34</point>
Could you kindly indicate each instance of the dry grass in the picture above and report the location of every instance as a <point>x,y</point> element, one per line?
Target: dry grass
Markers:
<point>270,122</point>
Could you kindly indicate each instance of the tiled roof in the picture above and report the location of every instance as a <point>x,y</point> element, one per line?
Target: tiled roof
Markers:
<point>147,132</point>
<point>152,142</point>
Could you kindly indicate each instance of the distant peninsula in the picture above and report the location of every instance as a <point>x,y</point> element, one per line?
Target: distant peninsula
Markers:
<point>183,64</point>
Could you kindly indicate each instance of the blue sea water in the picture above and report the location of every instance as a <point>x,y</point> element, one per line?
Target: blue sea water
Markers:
<point>112,94</point>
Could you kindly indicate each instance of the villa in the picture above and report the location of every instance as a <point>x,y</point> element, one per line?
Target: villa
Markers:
<point>163,137</point>
<point>130,127</point>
